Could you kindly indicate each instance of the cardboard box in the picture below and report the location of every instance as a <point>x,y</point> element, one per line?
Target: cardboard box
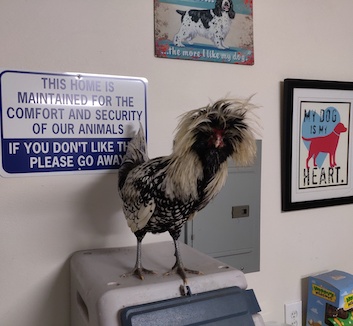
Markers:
<point>330,299</point>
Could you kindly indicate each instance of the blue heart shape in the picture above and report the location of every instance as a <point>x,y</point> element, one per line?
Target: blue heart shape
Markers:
<point>319,125</point>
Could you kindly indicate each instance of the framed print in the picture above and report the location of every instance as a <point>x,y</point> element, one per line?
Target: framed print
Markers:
<point>204,30</point>
<point>316,144</point>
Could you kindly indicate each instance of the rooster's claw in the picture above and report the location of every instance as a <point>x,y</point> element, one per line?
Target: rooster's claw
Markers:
<point>181,271</point>
<point>139,271</point>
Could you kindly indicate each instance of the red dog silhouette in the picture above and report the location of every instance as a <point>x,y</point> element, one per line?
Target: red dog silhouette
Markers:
<point>325,144</point>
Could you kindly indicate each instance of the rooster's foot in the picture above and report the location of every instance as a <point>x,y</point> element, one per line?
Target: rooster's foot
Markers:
<point>181,271</point>
<point>139,272</point>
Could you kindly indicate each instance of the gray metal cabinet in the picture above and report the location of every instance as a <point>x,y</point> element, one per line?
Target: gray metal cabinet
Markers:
<point>229,227</point>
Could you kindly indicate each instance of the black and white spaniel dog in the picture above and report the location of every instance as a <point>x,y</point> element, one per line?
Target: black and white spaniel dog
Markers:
<point>212,24</point>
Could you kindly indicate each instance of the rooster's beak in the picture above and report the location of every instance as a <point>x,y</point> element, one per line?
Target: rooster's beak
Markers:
<point>219,141</point>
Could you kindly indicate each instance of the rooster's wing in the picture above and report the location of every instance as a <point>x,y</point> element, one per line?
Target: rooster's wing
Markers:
<point>139,192</point>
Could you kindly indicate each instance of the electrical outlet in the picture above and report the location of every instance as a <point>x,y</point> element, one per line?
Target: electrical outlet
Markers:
<point>293,313</point>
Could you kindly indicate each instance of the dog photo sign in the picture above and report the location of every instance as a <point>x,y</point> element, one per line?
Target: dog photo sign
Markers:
<point>317,146</point>
<point>205,30</point>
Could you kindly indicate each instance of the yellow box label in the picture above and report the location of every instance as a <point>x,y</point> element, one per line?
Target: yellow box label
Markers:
<point>321,292</point>
<point>348,302</point>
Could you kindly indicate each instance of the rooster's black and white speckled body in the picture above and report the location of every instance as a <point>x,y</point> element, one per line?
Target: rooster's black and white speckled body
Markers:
<point>161,194</point>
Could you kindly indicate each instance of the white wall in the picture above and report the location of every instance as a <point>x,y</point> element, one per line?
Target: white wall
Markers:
<point>44,219</point>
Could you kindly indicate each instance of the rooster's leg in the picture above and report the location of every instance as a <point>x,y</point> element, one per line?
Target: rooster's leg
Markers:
<point>138,270</point>
<point>179,266</point>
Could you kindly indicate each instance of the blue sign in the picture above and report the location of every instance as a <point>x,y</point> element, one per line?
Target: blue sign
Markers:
<point>67,122</point>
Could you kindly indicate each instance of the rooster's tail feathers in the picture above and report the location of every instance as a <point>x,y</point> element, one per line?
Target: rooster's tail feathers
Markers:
<point>136,154</point>
<point>137,148</point>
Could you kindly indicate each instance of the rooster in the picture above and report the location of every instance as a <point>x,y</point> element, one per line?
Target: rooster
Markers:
<point>162,194</point>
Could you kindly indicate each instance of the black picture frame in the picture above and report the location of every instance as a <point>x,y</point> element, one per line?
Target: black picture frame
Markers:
<point>311,176</point>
